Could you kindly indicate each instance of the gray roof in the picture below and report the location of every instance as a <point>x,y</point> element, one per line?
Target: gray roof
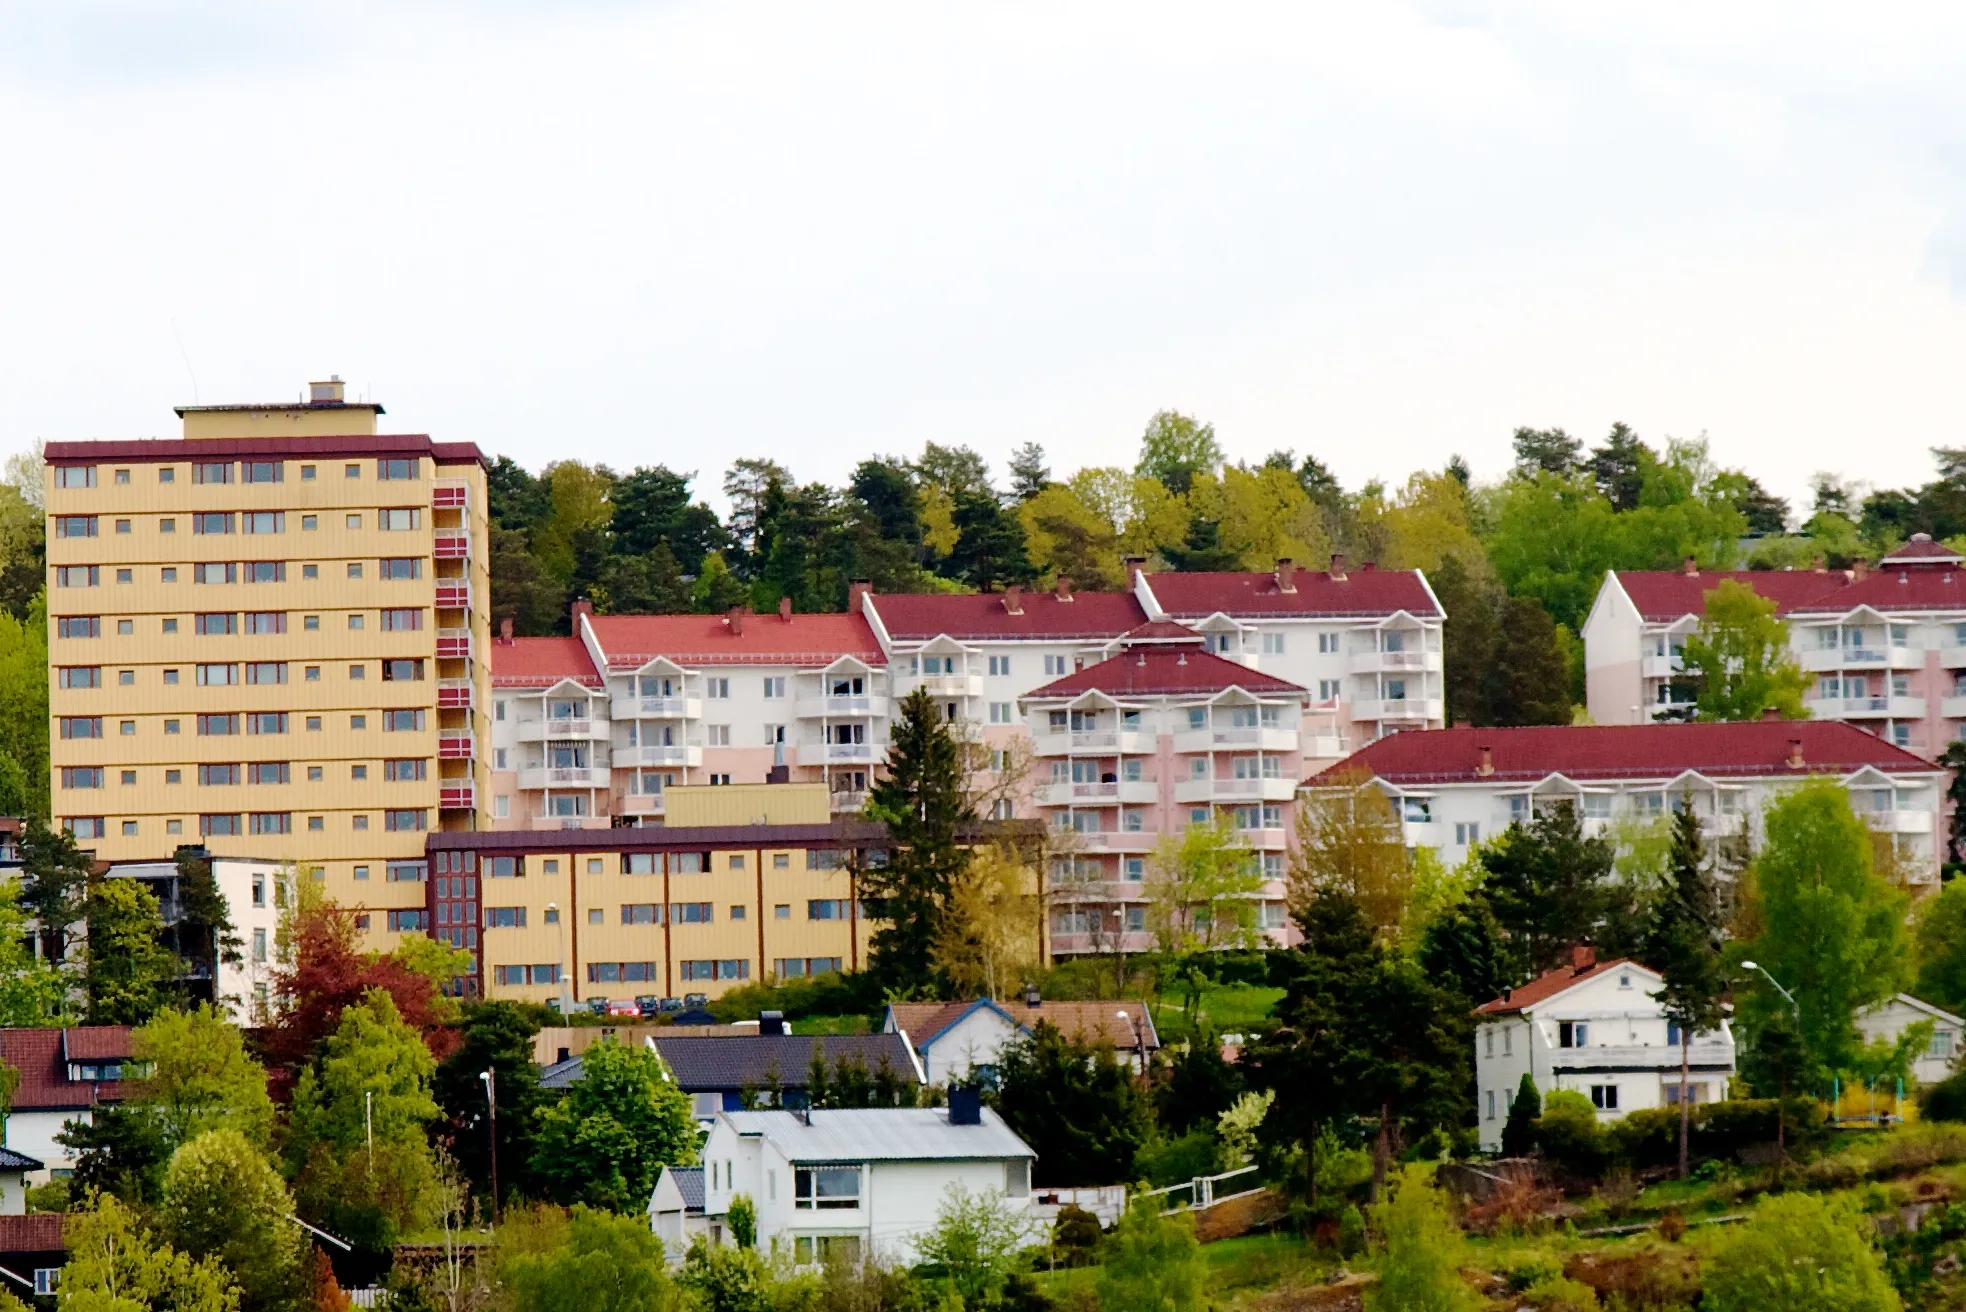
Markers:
<point>561,1074</point>
<point>13,1161</point>
<point>881,1134</point>
<point>709,1063</point>
<point>689,1182</point>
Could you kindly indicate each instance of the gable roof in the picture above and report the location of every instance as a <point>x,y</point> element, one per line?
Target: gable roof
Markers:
<point>1089,1022</point>
<point>761,1060</point>
<point>1362,592</point>
<point>1554,983</point>
<point>1920,549</point>
<point>689,1184</point>
<point>1755,749</point>
<point>880,1134</point>
<point>1165,671</point>
<point>1665,595</point>
<point>919,616</point>
<point>541,663</point>
<point>1918,1004</point>
<point>41,1057</point>
<point>40,1233</point>
<point>630,641</point>
<point>1926,586</point>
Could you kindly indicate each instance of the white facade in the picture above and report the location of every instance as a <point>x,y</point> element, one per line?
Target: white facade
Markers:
<point>255,892</point>
<point>872,1181</point>
<point>32,1132</point>
<point>1603,1036</point>
<point>1887,1020</point>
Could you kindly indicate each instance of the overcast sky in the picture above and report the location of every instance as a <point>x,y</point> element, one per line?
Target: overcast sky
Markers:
<point>685,232</point>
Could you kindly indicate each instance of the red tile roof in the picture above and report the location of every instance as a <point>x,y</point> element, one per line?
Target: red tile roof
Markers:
<point>44,1083</point>
<point>1548,984</point>
<point>96,1043</point>
<point>1920,549</point>
<point>917,617</point>
<point>1362,592</point>
<point>1665,595</point>
<point>1155,631</point>
<point>1756,749</point>
<point>158,450</point>
<point>1893,589</point>
<point>541,663</point>
<point>40,1233</point>
<point>816,640</point>
<point>1165,672</point>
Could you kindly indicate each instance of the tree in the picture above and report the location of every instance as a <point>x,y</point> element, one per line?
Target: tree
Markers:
<point>1420,1261</point>
<point>1407,1057</point>
<point>608,1139</point>
<point>922,802</point>
<point>1461,949</point>
<point>1350,841</point>
<point>1739,658</point>
<point>1175,448</point>
<point>32,993</point>
<point>24,703</point>
<point>1833,932</point>
<point>199,1078</point>
<point>1528,679</point>
<point>594,1260</point>
<point>1067,538</point>
<point>1953,758</point>
<point>1545,451</point>
<point>725,1278</point>
<point>1469,639</point>
<point>716,589</point>
<point>495,1036</point>
<point>372,1082</point>
<point>988,939</point>
<point>130,975</point>
<point>115,1264</point>
<point>1618,467</point>
<point>1939,932</point>
<point>1683,943</point>
<point>54,883</point>
<point>1077,1107</point>
<point>1525,1109</point>
<point>1151,1263</point>
<point>977,1242</point>
<point>202,937</point>
<point>119,1151</point>
<point>1199,1085</point>
<point>522,589</point>
<point>1029,474</point>
<point>1202,890</point>
<point>1798,1253</point>
<point>1548,887</point>
<point>222,1201</point>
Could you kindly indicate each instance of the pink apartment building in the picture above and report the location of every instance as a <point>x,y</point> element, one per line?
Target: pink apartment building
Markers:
<point>1886,647</point>
<point>1137,747</point>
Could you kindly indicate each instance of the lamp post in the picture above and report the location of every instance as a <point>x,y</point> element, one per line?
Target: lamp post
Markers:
<point>491,1113</point>
<point>560,967</point>
<point>1781,1102</point>
<point>1139,1041</point>
<point>1793,1005</point>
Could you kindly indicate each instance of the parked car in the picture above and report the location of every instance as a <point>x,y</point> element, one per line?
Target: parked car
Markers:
<point>648,1005</point>
<point>695,1000</point>
<point>624,1007</point>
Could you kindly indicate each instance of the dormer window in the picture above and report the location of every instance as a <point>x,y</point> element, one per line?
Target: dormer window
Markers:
<point>95,1072</point>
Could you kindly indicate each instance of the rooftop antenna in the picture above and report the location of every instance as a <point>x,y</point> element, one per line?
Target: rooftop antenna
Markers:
<point>186,356</point>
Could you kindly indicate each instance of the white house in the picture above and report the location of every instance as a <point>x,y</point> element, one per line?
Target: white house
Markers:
<point>859,1181</point>
<point>957,1040</point>
<point>676,1209</point>
<point>257,891</point>
<point>1888,1019</point>
<point>65,1075</point>
<point>1596,1028</point>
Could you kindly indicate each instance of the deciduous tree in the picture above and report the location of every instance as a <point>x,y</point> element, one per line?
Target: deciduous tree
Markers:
<point>1761,1268</point>
<point>1175,448</point>
<point>1739,658</point>
<point>1350,841</point>
<point>131,975</point>
<point>223,1202</point>
<point>605,1142</point>
<point>116,1264</point>
<point>1202,889</point>
<point>1420,1262</point>
<point>199,1078</point>
<point>988,941</point>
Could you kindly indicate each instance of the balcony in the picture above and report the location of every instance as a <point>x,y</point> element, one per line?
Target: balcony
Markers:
<point>847,801</point>
<point>456,747</point>
<point>640,804</point>
<point>1238,738</point>
<point>1394,662</point>
<point>1322,746</point>
<point>831,708</point>
<point>1131,842</point>
<point>453,595</point>
<point>1411,708</point>
<point>1705,1051</point>
<point>1952,657</point>
<point>1953,708</point>
<point>682,754</point>
<point>1868,708</point>
<point>451,546</point>
<point>842,753</point>
<point>564,776</point>
<point>455,694</point>
<point>457,797</point>
<point>656,708</point>
<point>1662,667</point>
<point>1130,742</point>
<point>944,685</point>
<point>1271,789</point>
<point>1265,840</point>
<point>554,729</point>
<point>450,494</point>
<point>1899,822</point>
<point>453,644</point>
<point>1130,792</point>
<point>1862,658</point>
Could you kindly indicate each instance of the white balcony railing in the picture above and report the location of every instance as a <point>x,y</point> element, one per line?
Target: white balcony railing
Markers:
<point>1125,742</point>
<point>842,753</point>
<point>538,731</point>
<point>685,754</point>
<point>1899,822</point>
<point>1656,666</point>
<point>1271,789</point>
<point>943,685</point>
<point>1703,1052</point>
<point>1234,738</point>
<point>1131,792</point>
<point>1375,662</point>
<point>1410,708</point>
<point>560,776</point>
<point>846,707</point>
<point>640,804</point>
<point>1863,708</point>
<point>655,708</point>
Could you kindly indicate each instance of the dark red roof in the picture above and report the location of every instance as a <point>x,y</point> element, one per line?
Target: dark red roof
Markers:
<point>633,640</point>
<point>1920,549</point>
<point>541,663</point>
<point>1165,672</point>
<point>1162,631</point>
<point>157,450</point>
<point>96,1043</point>
<point>1895,588</point>
<point>1548,984</point>
<point>39,1057</point>
<point>917,616</point>
<point>40,1233</point>
<point>1756,749</point>
<point>1665,595</point>
<point>1361,592</point>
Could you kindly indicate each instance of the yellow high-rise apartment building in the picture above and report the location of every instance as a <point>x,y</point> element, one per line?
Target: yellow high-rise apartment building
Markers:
<point>270,636</point>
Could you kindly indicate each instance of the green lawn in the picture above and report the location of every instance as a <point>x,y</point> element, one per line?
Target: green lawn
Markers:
<point>1225,1008</point>
<point>830,1025</point>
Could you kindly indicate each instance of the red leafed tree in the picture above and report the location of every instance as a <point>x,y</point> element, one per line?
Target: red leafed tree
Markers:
<point>327,974</point>
<point>328,1293</point>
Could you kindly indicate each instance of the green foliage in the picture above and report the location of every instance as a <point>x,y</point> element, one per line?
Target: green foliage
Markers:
<point>592,1260</point>
<point>1683,943</point>
<point>1739,658</point>
<point>115,1264</point>
<point>1549,888</point>
<point>1946,1100</point>
<point>1939,936</point>
<point>199,1077</point>
<point>130,975</point>
<point>54,881</point>
<point>1419,1264</point>
<point>1163,1161</point>
<point>24,702</point>
<point>923,800</point>
<point>1175,448</point>
<point>1074,1104</point>
<point>54,1196</point>
<point>725,1278</point>
<point>119,1152</point>
<point>372,1080</point>
<point>1152,1263</point>
<point>494,1036</point>
<point>1201,892</point>
<point>1076,1236</point>
<point>1568,1134</point>
<point>1519,1131</point>
<point>742,1218</point>
<point>977,1243</point>
<point>32,993</point>
<point>1351,1232</point>
<point>1798,1253</point>
<point>221,1200</point>
<point>605,1142</point>
<point>1198,1085</point>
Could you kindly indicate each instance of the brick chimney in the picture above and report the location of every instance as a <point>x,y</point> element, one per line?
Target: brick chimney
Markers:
<point>505,630</point>
<point>1487,766</point>
<point>581,606</point>
<point>1795,761</point>
<point>1013,599</point>
<point>1690,568</point>
<point>1338,568</point>
<point>856,595</point>
<point>1769,713</point>
<point>1134,566</point>
<point>1582,957</point>
<point>1858,570</point>
<point>736,621</point>
<point>785,610</point>
<point>1063,588</point>
<point>1820,565</point>
<point>1286,574</point>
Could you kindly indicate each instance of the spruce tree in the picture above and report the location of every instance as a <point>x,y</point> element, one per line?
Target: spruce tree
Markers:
<point>1683,944</point>
<point>1519,1131</point>
<point>54,882</point>
<point>922,802</point>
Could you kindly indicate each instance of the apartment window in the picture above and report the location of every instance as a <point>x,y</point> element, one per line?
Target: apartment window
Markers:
<point>264,571</point>
<point>361,823</point>
<point>352,521</point>
<point>217,676</point>
<point>1000,667</point>
<point>310,571</point>
<point>79,676</point>
<point>504,867</point>
<point>1573,1034</point>
<point>774,686</point>
<point>265,622</point>
<point>1466,832</point>
<point>826,908</point>
<point>402,721</point>
<point>408,922</point>
<point>354,569</point>
<point>217,726</point>
<point>75,526</point>
<point>641,913</point>
<point>122,526</point>
<point>214,625</point>
<point>271,822</point>
<point>75,476</point>
<point>402,621</point>
<point>315,774</point>
<point>170,727</point>
<point>404,771</point>
<point>402,670</point>
<point>212,473</point>
<point>689,913</point>
<point>81,776</point>
<point>1604,1097</point>
<point>78,626</point>
<point>223,825</point>
<point>259,946</point>
<point>266,722</point>
<point>78,576</point>
<point>170,626</point>
<point>126,576</point>
<point>264,521</point>
<point>505,917</point>
<point>1055,666</point>
<point>407,567</point>
<point>218,774</point>
<point>128,728</point>
<point>310,523</point>
<point>716,689</point>
<point>398,521</point>
<point>395,470</point>
<point>126,678</point>
<point>358,671</point>
<point>999,712</point>
<point>84,826</point>
<point>267,772</point>
<point>211,522</point>
<point>717,735</point>
<point>129,829</point>
<point>214,572</point>
<point>826,1187</point>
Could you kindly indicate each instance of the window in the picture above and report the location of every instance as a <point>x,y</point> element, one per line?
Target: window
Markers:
<point>405,821</point>
<point>358,670</point>
<point>81,776</point>
<point>75,476</point>
<point>125,628</point>
<point>353,521</point>
<point>408,922</point>
<point>122,526</point>
<point>75,526</point>
<point>271,822</point>
<point>266,722</point>
<point>221,572</point>
<point>394,470</point>
<point>77,576</point>
<point>397,521</point>
<point>217,726</point>
<point>218,774</point>
<point>716,689</point>
<point>259,947</point>
<point>268,772</point>
<point>213,625</point>
<point>264,571</point>
<point>402,621</point>
<point>125,576</point>
<point>227,825</point>
<point>79,676</point>
<point>211,522</point>
<point>505,917</point>
<point>1604,1097</point>
<point>263,521</point>
<point>717,735</point>
<point>128,728</point>
<point>504,867</point>
<point>1466,832</point>
<point>48,1278</point>
<point>170,626</point>
<point>84,826</point>
<point>1000,713</point>
<point>354,569</point>
<point>310,524</point>
<point>78,626</point>
<point>266,622</point>
<point>217,676</point>
<point>212,473</point>
<point>401,568</point>
<point>1941,1045</point>
<point>689,913</point>
<point>826,908</point>
<point>402,670</point>
<point>1572,1034</point>
<point>826,1187</point>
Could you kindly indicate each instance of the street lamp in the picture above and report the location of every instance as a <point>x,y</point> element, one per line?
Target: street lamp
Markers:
<point>560,967</point>
<point>491,1109</point>
<point>1139,1041</point>
<point>1793,1005</point>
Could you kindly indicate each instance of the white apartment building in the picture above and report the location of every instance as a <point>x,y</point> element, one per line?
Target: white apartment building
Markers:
<point>1595,1028</point>
<point>1455,787</point>
<point>256,892</point>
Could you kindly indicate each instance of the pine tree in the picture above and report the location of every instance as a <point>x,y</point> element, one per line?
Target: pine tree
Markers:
<point>1519,1131</point>
<point>1683,944</point>
<point>922,802</point>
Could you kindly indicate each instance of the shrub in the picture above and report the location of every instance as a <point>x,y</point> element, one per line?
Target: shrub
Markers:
<point>1646,1137</point>
<point>1076,1235</point>
<point>742,1218</point>
<point>1153,1264</point>
<point>1419,1271</point>
<point>1557,1294</point>
<point>1532,1269</point>
<point>1176,1161</point>
<point>1519,1131</point>
<point>1351,1232</point>
<point>1722,1129</point>
<point>1569,1135</point>
<point>1946,1100</point>
<point>1798,1253</point>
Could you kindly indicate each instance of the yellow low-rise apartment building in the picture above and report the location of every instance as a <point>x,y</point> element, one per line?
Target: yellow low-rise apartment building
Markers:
<point>269,635</point>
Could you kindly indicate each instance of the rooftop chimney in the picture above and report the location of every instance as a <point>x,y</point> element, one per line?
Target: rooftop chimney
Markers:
<point>771,1022</point>
<point>1134,565</point>
<point>1770,713</point>
<point>1032,997</point>
<point>736,621</point>
<point>1582,957</point>
<point>1820,564</point>
<point>1690,567</point>
<point>1286,574</point>
<point>328,393</point>
<point>505,629</point>
<point>1858,569</point>
<point>1338,568</point>
<point>1795,761</point>
<point>785,609</point>
<point>1064,588</point>
<point>856,595</point>
<point>1013,599</point>
<point>965,1105</point>
<point>1487,766</point>
<point>581,606</point>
